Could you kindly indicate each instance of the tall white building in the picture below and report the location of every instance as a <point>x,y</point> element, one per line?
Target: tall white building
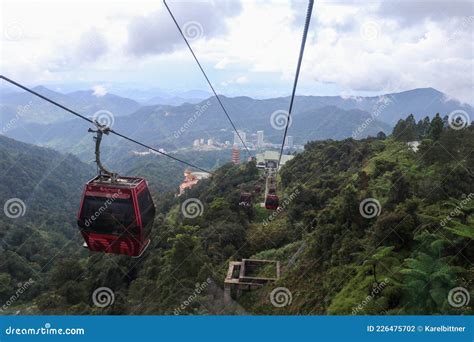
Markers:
<point>259,138</point>
<point>289,141</point>
<point>237,140</point>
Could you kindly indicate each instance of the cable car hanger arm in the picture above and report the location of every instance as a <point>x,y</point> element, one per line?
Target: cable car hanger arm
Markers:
<point>100,131</point>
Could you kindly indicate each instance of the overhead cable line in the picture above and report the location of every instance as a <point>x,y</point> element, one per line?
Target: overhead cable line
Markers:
<point>95,123</point>
<point>207,78</point>
<point>298,67</point>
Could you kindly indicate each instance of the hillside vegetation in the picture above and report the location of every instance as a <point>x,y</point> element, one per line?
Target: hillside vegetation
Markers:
<point>413,248</point>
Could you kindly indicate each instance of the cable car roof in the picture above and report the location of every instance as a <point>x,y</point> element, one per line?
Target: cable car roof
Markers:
<point>125,182</point>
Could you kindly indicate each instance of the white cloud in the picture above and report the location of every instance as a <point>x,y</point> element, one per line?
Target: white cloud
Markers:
<point>353,47</point>
<point>241,80</point>
<point>92,45</point>
<point>99,90</point>
<point>156,33</point>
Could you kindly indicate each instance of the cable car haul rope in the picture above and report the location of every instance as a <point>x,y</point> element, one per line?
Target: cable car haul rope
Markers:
<point>298,67</point>
<point>126,207</point>
<point>207,78</point>
<point>95,124</point>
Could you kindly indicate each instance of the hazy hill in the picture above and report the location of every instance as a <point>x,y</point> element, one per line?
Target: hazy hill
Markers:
<point>173,127</point>
<point>179,98</point>
<point>420,102</point>
<point>24,108</point>
<point>45,187</point>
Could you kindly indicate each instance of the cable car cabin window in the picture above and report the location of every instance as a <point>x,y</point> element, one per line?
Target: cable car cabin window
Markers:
<point>108,216</point>
<point>147,210</point>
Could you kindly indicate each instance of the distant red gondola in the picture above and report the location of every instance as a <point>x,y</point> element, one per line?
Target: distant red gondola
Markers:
<point>272,202</point>
<point>245,199</point>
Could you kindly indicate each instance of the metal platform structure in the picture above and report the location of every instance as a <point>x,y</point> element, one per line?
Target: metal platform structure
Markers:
<point>240,277</point>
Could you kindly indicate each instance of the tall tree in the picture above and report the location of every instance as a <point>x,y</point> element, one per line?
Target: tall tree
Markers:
<point>405,130</point>
<point>422,127</point>
<point>399,129</point>
<point>436,127</point>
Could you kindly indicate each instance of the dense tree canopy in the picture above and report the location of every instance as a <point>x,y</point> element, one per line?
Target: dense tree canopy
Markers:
<point>414,246</point>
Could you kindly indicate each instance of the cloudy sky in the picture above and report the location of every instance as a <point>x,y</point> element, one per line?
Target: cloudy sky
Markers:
<point>247,47</point>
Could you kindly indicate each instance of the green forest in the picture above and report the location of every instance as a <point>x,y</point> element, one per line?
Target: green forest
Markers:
<point>402,256</point>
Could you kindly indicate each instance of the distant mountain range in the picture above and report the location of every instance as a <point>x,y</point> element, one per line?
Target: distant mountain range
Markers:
<point>32,109</point>
<point>156,96</point>
<point>176,126</point>
<point>192,96</point>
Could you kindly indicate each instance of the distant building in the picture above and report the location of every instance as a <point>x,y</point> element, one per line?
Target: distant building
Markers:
<point>235,155</point>
<point>260,139</point>
<point>237,140</point>
<point>201,141</point>
<point>196,143</point>
<point>191,179</point>
<point>210,142</point>
<point>289,141</point>
<point>269,159</point>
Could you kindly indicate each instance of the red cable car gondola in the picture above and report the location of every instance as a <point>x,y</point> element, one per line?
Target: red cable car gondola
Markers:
<point>245,199</point>
<point>272,202</point>
<point>116,213</point>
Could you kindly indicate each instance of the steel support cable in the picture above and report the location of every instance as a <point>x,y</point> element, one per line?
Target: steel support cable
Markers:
<point>298,67</point>
<point>205,76</point>
<point>95,124</point>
